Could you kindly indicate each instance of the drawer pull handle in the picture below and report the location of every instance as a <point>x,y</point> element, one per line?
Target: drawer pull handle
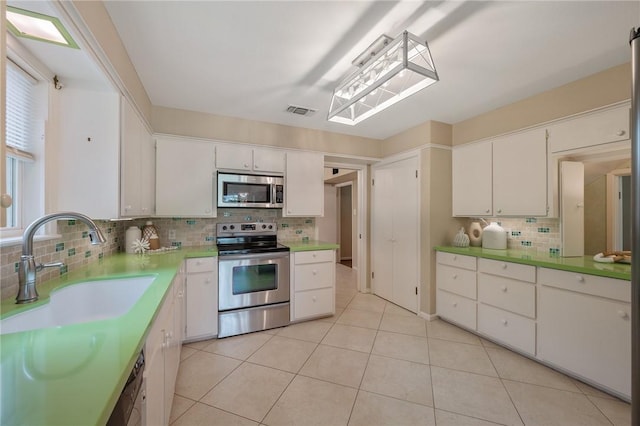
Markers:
<point>454,304</point>
<point>207,281</point>
<point>504,322</point>
<point>487,211</point>
<point>504,288</point>
<point>455,276</point>
<point>620,133</point>
<point>455,257</point>
<point>623,314</point>
<point>504,266</point>
<point>315,272</point>
<point>580,278</point>
<point>313,298</point>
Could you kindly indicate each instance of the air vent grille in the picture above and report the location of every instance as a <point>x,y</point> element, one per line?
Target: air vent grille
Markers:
<point>293,109</point>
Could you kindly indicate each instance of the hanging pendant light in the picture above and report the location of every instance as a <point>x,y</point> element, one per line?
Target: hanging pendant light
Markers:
<point>393,70</point>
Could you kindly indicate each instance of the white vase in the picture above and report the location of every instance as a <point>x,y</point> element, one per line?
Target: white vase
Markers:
<point>475,234</point>
<point>495,237</point>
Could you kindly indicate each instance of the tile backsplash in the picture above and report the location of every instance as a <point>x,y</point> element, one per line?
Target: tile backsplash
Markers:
<point>75,250</point>
<point>539,235</point>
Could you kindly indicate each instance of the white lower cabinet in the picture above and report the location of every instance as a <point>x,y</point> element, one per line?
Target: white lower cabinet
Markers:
<point>202,298</point>
<point>162,356</point>
<point>586,334</point>
<point>577,323</point>
<point>313,283</point>
<point>456,293</point>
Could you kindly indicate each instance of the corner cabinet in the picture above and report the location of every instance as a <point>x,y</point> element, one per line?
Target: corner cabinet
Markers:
<point>185,178</point>
<point>506,176</point>
<point>202,298</point>
<point>304,184</point>
<point>313,284</point>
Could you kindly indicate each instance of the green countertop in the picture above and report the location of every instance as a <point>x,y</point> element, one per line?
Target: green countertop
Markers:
<point>582,264</point>
<point>309,245</point>
<point>73,375</point>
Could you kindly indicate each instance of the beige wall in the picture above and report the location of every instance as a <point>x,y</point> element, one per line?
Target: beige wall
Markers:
<point>430,132</point>
<point>209,126</point>
<point>604,88</point>
<point>595,216</point>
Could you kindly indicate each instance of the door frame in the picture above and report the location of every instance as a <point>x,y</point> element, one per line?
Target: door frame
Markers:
<point>363,237</point>
<point>339,187</point>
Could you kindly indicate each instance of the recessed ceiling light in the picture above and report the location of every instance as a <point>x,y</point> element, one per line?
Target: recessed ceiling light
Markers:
<point>36,26</point>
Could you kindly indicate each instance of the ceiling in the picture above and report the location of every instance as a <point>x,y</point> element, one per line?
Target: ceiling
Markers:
<point>251,59</point>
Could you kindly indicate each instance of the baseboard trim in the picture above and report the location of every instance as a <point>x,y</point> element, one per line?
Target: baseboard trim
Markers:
<point>428,317</point>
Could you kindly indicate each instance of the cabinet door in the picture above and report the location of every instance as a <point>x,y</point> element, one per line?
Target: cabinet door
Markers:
<point>202,305</point>
<point>234,157</point>
<point>185,178</point>
<point>471,180</point>
<point>90,151</point>
<point>304,184</point>
<point>587,335</point>
<point>268,160</point>
<point>520,174</point>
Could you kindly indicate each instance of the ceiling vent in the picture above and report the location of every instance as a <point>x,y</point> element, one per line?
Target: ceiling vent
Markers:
<point>293,109</point>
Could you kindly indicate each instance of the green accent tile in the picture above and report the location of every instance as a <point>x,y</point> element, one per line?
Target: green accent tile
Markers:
<point>209,238</point>
<point>176,244</point>
<point>531,220</point>
<point>59,246</point>
<point>109,230</point>
<point>285,225</point>
<point>16,267</point>
<point>71,222</point>
<point>85,234</point>
<point>305,239</point>
<point>64,269</point>
<point>544,230</point>
<point>247,218</point>
<point>87,253</point>
<point>554,251</point>
<point>191,222</point>
<point>516,233</point>
<point>298,231</point>
<point>525,243</point>
<point>100,255</point>
<point>308,221</point>
<point>226,214</point>
<point>71,252</point>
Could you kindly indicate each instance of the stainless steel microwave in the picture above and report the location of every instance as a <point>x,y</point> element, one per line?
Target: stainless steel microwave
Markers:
<point>250,191</point>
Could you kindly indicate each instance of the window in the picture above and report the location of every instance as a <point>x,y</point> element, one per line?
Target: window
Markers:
<point>24,130</point>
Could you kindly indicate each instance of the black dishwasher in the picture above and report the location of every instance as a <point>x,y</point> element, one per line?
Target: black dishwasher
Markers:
<point>128,408</point>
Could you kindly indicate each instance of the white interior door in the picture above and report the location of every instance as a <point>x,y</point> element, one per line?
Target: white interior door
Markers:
<point>572,208</point>
<point>395,231</point>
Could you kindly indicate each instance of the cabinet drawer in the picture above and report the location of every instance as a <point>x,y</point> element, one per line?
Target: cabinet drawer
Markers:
<point>509,328</point>
<point>589,284</point>
<point>508,269</point>
<point>313,303</point>
<point>455,280</point>
<point>201,264</point>
<point>514,296</point>
<point>313,275</point>
<point>456,309</point>
<point>457,260</point>
<point>317,256</point>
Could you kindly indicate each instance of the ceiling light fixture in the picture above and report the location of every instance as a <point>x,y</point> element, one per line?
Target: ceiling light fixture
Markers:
<point>390,70</point>
<point>36,26</point>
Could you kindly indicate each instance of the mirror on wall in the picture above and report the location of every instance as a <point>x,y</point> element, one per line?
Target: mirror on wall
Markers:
<point>607,197</point>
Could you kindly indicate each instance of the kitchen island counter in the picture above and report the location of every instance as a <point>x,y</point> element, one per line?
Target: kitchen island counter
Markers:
<point>581,264</point>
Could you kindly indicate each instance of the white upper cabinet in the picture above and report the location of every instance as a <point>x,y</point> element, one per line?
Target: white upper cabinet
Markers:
<point>137,167</point>
<point>506,176</point>
<point>246,158</point>
<point>520,174</point>
<point>595,128</point>
<point>185,178</point>
<point>304,184</point>
<point>88,153</point>
<point>472,179</point>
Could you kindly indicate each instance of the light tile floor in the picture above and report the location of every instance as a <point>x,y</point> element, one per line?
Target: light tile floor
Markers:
<point>374,363</point>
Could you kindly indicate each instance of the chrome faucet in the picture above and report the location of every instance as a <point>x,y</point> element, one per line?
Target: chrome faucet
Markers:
<point>27,292</point>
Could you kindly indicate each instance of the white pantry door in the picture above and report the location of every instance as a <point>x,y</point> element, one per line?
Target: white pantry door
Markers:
<point>395,232</point>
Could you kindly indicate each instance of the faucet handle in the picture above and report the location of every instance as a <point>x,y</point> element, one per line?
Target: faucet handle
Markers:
<point>41,266</point>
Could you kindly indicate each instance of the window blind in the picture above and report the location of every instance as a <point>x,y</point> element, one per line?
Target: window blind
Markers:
<point>20,98</point>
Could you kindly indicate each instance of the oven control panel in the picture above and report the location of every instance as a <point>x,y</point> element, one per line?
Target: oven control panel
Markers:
<point>253,228</point>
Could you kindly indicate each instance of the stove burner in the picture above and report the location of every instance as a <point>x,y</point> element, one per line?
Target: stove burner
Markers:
<point>247,238</point>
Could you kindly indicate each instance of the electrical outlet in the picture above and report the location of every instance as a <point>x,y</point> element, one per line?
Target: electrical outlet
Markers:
<point>172,234</point>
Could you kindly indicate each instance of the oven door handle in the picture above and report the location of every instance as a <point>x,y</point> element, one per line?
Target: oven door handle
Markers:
<point>252,256</point>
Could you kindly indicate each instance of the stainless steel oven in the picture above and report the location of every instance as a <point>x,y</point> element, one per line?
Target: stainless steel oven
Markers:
<point>253,278</point>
